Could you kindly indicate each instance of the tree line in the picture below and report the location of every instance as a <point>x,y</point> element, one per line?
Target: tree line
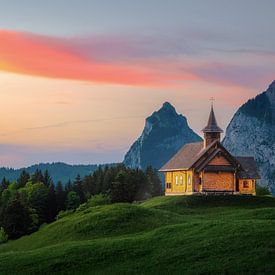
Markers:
<point>33,200</point>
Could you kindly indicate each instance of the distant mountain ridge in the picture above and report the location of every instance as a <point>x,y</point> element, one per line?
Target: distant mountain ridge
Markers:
<point>59,171</point>
<point>252,132</point>
<point>165,132</point>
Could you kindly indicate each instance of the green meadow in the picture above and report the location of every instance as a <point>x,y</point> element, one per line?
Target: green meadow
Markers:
<point>164,235</point>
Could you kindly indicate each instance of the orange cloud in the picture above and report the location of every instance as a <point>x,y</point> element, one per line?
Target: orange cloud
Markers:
<point>45,56</point>
<point>116,60</point>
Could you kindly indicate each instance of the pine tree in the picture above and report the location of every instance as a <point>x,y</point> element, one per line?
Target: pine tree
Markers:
<point>17,219</point>
<point>98,180</point>
<point>60,196</point>
<point>108,178</point>
<point>68,187</point>
<point>78,188</point>
<point>47,180</point>
<point>4,184</point>
<point>23,179</point>
<point>118,191</point>
<point>73,200</point>
<point>37,176</point>
<point>52,204</point>
<point>154,181</point>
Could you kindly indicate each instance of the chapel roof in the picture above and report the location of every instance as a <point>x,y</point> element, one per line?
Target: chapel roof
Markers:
<point>185,157</point>
<point>249,166</point>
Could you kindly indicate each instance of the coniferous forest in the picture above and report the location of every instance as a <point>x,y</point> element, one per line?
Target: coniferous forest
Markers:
<point>34,200</point>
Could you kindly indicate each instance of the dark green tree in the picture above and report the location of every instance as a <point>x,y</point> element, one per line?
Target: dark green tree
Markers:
<point>154,181</point>
<point>60,196</point>
<point>37,176</point>
<point>39,201</point>
<point>98,180</point>
<point>47,180</point>
<point>4,184</point>
<point>107,179</point>
<point>262,190</point>
<point>51,204</point>
<point>68,187</point>
<point>73,200</point>
<point>17,219</point>
<point>23,179</point>
<point>122,189</point>
<point>88,186</point>
<point>141,188</point>
<point>78,188</point>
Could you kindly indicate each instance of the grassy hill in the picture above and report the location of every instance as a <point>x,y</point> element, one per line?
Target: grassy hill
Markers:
<point>187,234</point>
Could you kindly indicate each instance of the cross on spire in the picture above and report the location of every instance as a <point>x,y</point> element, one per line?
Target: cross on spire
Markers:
<point>212,126</point>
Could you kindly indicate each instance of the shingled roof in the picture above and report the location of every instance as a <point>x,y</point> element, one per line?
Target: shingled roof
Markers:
<point>185,157</point>
<point>249,166</point>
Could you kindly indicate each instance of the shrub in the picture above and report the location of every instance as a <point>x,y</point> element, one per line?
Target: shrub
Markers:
<point>99,200</point>
<point>63,214</point>
<point>262,190</point>
<point>73,200</point>
<point>96,200</point>
<point>3,236</point>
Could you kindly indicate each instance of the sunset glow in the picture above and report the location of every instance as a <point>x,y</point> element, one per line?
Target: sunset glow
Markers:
<point>77,89</point>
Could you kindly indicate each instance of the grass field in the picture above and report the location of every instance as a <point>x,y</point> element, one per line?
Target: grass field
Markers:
<point>164,235</point>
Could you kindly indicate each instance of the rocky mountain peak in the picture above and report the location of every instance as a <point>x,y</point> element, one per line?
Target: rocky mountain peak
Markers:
<point>251,132</point>
<point>167,110</point>
<point>165,117</point>
<point>271,93</point>
<point>272,86</point>
<point>262,106</point>
<point>164,133</point>
<point>168,107</point>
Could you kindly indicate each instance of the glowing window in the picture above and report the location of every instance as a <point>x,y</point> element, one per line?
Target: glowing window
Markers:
<point>180,180</point>
<point>189,179</point>
<point>177,180</point>
<point>245,184</point>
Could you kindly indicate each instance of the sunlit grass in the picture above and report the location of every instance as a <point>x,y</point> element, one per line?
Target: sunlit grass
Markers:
<point>189,234</point>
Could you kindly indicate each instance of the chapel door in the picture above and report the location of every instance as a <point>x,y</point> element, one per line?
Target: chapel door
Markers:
<point>237,186</point>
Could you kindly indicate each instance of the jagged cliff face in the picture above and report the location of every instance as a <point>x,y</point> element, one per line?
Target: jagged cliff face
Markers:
<point>165,132</point>
<point>251,132</point>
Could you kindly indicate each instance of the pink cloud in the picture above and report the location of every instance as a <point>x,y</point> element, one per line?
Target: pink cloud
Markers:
<point>138,61</point>
<point>60,58</point>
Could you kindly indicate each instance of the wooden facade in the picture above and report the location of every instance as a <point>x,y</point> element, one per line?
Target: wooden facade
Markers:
<point>208,168</point>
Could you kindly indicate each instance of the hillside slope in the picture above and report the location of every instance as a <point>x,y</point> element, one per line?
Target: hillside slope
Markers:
<point>166,234</point>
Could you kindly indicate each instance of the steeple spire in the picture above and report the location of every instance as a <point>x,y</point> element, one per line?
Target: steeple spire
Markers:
<point>212,125</point>
<point>212,131</point>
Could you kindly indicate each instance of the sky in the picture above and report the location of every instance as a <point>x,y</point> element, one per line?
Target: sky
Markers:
<point>79,77</point>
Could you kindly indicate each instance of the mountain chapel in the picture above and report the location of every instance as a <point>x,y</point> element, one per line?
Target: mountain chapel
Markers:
<point>208,168</point>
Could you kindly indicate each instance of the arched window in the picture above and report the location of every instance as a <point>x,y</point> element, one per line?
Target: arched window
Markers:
<point>180,180</point>
<point>189,179</point>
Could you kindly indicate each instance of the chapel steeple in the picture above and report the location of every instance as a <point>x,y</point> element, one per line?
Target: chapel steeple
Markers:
<point>212,131</point>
